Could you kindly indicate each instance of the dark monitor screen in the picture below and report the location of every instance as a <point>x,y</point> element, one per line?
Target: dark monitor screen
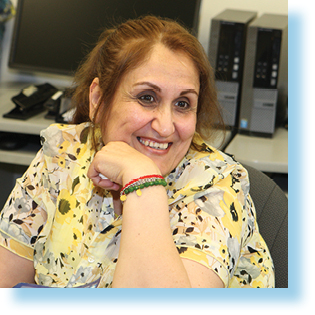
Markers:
<point>53,36</point>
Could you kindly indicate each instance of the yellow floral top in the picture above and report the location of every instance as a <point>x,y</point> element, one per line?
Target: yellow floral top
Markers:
<point>57,218</point>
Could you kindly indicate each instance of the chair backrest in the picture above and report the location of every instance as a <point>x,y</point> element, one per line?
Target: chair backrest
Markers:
<point>271,205</point>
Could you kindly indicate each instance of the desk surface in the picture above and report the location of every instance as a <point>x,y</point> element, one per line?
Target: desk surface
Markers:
<point>32,126</point>
<point>265,154</point>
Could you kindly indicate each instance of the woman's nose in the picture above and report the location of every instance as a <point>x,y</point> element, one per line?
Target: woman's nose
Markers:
<point>163,122</point>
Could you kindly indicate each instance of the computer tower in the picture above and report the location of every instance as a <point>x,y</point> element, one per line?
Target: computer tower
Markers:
<point>265,80</point>
<point>226,56</point>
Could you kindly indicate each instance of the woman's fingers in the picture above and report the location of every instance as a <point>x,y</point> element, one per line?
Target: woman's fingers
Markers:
<point>102,181</point>
<point>116,163</point>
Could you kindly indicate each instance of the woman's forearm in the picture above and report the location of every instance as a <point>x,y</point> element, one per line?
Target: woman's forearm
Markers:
<point>147,255</point>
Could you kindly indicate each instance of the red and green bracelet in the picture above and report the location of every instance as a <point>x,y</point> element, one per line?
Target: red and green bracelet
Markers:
<point>140,183</point>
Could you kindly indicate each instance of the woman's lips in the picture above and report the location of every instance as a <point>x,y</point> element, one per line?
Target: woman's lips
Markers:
<point>154,144</point>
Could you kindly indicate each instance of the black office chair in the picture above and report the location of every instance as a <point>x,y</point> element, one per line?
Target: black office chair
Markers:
<point>271,205</point>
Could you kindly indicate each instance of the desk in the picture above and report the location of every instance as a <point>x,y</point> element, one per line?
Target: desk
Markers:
<point>265,154</point>
<point>37,123</point>
<point>30,126</point>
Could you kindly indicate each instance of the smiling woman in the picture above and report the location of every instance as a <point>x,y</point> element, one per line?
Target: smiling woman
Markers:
<point>154,109</point>
<point>129,195</point>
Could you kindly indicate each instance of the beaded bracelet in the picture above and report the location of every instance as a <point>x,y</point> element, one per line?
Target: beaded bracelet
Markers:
<point>140,183</point>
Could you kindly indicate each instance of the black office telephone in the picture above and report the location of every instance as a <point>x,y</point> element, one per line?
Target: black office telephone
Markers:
<point>30,101</point>
<point>59,106</point>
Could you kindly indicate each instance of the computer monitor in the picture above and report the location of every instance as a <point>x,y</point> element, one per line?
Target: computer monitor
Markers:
<point>53,36</point>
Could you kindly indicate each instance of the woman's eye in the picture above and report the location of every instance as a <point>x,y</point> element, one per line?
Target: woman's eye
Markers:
<point>182,104</point>
<point>147,99</point>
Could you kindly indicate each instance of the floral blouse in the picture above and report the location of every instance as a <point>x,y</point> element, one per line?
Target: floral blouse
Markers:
<point>57,218</point>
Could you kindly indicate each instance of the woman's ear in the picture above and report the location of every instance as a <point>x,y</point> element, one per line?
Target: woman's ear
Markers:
<point>94,98</point>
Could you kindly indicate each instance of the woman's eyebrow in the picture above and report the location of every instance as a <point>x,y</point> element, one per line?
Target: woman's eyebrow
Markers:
<point>189,91</point>
<point>155,87</point>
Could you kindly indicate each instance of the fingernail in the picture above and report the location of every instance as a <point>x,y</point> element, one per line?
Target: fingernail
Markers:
<point>102,176</point>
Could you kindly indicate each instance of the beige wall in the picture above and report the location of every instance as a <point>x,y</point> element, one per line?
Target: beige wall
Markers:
<point>210,8</point>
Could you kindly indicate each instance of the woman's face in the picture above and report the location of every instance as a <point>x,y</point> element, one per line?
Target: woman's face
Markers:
<point>154,108</point>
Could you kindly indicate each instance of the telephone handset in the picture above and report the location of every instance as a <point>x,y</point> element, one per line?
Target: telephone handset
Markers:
<point>30,101</point>
<point>59,106</point>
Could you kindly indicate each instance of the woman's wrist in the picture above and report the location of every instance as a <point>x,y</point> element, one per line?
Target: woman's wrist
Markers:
<point>136,173</point>
<point>137,184</point>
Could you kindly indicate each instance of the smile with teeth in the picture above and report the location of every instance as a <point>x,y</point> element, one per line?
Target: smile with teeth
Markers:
<point>153,144</point>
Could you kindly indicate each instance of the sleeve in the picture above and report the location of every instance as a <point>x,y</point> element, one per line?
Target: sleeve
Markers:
<point>22,218</point>
<point>210,229</point>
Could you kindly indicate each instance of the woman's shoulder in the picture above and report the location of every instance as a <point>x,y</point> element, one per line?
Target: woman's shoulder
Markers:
<point>71,142</point>
<point>70,132</point>
<point>58,138</point>
<point>203,170</point>
<point>211,156</point>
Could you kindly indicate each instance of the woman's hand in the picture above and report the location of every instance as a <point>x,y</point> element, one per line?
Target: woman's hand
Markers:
<point>119,163</point>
